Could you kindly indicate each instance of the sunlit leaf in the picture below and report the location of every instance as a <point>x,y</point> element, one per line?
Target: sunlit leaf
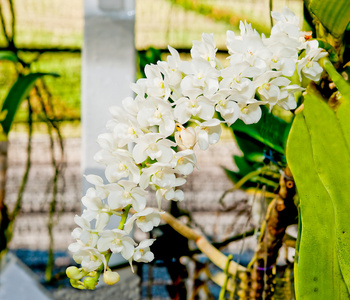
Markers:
<point>334,15</point>
<point>319,158</point>
<point>18,92</point>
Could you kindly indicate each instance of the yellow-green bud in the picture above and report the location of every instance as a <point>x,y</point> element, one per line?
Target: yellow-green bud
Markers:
<point>92,274</point>
<point>90,283</point>
<point>74,273</point>
<point>77,284</point>
<point>110,277</point>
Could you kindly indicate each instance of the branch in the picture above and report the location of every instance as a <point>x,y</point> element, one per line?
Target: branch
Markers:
<point>217,257</point>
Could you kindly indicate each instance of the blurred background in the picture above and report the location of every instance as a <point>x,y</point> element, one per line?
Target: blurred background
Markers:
<point>44,173</point>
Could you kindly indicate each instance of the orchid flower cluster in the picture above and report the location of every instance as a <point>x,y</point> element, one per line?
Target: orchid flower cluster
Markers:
<point>179,106</point>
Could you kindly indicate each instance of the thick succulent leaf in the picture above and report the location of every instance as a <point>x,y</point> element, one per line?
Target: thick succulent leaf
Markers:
<point>8,55</point>
<point>317,271</point>
<point>270,130</point>
<point>334,15</point>
<point>18,92</point>
<point>319,157</point>
<point>332,160</point>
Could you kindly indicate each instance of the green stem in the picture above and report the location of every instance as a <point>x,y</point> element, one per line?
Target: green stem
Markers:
<point>271,8</point>
<point>18,204</point>
<point>101,267</point>
<point>3,26</point>
<point>224,286</point>
<point>124,216</point>
<point>242,181</point>
<point>13,22</point>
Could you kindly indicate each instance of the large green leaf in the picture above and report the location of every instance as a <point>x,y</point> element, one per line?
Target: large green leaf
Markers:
<point>270,130</point>
<point>18,92</point>
<point>317,269</point>
<point>319,157</point>
<point>334,15</point>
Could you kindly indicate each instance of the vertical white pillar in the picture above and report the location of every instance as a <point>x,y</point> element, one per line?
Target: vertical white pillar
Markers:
<point>108,67</point>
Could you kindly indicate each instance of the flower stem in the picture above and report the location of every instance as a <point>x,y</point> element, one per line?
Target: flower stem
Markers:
<point>124,216</point>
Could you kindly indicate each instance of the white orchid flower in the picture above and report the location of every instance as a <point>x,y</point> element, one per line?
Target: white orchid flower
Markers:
<point>117,241</point>
<point>154,146</point>
<point>100,187</point>
<point>143,252</point>
<point>228,109</point>
<point>153,85</point>
<point>89,258</point>
<point>123,166</point>
<point>200,75</point>
<point>208,133</point>
<point>186,107</point>
<point>155,111</point>
<point>146,220</point>
<point>250,111</point>
<point>287,98</point>
<point>184,161</point>
<point>235,78</point>
<point>268,86</point>
<point>172,68</point>
<point>85,235</point>
<point>185,138</point>
<point>125,193</point>
<point>96,209</point>
<point>308,65</point>
<point>287,22</point>
<point>205,50</point>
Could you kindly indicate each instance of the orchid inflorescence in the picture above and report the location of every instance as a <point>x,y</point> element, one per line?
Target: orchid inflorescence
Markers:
<point>179,105</point>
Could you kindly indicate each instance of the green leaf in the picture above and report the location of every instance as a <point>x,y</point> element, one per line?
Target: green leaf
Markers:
<point>334,15</point>
<point>270,130</point>
<point>317,271</point>
<point>8,55</point>
<point>243,165</point>
<point>18,92</point>
<point>253,150</point>
<point>342,85</point>
<point>319,157</point>
<point>332,159</point>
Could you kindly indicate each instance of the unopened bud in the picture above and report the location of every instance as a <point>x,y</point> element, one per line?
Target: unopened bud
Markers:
<point>185,137</point>
<point>77,284</point>
<point>74,273</point>
<point>90,283</point>
<point>110,277</point>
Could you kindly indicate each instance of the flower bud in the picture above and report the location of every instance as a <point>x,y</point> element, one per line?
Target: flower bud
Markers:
<point>185,137</point>
<point>74,273</point>
<point>77,284</point>
<point>90,283</point>
<point>110,277</point>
